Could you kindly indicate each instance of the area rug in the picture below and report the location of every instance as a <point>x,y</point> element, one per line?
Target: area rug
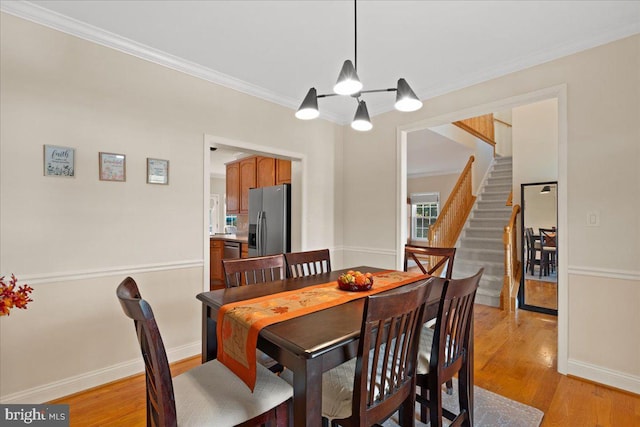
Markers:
<point>553,277</point>
<point>490,410</point>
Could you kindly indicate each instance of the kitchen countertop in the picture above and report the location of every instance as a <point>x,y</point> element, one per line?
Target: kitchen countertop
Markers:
<point>242,238</point>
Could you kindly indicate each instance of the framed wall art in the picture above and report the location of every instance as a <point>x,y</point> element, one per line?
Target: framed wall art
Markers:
<point>59,161</point>
<point>157,171</point>
<point>112,167</point>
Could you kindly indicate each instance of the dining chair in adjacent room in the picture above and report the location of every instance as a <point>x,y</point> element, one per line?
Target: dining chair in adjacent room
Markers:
<point>534,256</point>
<point>548,250</point>
<point>380,381</point>
<point>309,263</point>
<point>252,271</point>
<point>207,395</point>
<point>444,351</point>
<point>249,271</point>
<point>430,260</point>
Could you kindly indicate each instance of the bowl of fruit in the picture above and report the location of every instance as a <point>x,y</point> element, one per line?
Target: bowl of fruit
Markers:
<point>355,281</point>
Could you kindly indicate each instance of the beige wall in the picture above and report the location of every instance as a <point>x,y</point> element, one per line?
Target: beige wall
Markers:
<point>534,144</point>
<point>75,239</point>
<point>442,184</point>
<point>600,173</point>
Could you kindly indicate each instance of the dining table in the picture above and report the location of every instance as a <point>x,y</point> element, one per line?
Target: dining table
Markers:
<point>307,345</point>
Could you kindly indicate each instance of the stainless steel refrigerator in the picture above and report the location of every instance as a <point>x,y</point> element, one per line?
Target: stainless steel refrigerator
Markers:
<point>270,220</point>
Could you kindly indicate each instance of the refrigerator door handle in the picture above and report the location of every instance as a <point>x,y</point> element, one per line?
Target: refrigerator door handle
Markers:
<point>259,234</point>
<point>263,229</point>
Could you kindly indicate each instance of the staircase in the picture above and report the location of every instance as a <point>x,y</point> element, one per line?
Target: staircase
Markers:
<point>480,244</point>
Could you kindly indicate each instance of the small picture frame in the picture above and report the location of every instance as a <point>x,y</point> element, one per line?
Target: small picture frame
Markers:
<point>157,171</point>
<point>112,167</point>
<point>59,161</point>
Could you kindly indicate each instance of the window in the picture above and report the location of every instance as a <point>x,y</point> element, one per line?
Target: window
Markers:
<point>232,220</point>
<point>424,212</point>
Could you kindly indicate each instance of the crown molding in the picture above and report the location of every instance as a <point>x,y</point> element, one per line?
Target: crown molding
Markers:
<point>68,25</point>
<point>46,17</point>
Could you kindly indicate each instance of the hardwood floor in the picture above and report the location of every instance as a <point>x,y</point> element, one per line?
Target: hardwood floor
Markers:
<point>515,357</point>
<point>541,294</point>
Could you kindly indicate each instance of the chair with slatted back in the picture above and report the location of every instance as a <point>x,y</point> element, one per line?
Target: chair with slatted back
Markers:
<point>380,381</point>
<point>249,271</point>
<point>430,260</point>
<point>532,243</point>
<point>309,263</point>
<point>207,395</point>
<point>252,271</point>
<point>548,250</point>
<point>444,352</point>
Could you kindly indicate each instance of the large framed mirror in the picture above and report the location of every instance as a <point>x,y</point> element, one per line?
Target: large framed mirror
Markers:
<point>539,247</point>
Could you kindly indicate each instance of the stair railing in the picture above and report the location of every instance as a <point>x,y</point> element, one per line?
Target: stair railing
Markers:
<point>512,267</point>
<point>445,231</point>
<point>481,127</point>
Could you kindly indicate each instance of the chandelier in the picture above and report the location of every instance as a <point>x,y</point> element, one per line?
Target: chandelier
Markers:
<point>349,84</point>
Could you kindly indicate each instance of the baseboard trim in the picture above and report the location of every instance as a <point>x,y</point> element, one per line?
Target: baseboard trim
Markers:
<point>608,377</point>
<point>77,383</point>
<point>66,276</point>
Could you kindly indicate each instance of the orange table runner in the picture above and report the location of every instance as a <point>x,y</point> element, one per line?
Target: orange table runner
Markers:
<point>240,323</point>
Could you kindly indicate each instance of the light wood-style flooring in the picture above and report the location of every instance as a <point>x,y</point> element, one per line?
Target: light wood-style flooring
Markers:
<point>541,294</point>
<point>515,357</point>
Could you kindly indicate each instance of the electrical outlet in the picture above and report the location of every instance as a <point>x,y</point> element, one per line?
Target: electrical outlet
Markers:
<point>593,219</point>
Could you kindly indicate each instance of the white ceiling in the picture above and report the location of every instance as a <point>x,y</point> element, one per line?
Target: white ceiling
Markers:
<point>277,50</point>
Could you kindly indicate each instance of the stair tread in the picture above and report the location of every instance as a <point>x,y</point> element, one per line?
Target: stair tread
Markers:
<point>481,239</point>
<point>499,251</point>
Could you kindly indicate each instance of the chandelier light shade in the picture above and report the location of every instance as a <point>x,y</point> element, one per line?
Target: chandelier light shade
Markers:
<point>348,84</point>
<point>546,189</point>
<point>309,108</point>
<point>361,120</point>
<point>406,99</point>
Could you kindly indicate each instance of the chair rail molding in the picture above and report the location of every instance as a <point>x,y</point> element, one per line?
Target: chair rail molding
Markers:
<point>609,273</point>
<point>65,276</point>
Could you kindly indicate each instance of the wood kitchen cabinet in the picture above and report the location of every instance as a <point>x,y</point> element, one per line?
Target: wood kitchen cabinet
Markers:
<point>244,250</point>
<point>283,171</point>
<point>253,172</point>
<point>233,187</point>
<point>216,274</point>
<point>265,171</point>
<point>247,181</point>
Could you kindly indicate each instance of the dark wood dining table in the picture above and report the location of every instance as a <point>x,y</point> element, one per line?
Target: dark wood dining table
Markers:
<point>307,345</point>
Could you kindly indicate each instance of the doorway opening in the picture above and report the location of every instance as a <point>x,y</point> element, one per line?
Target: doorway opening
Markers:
<point>298,190</point>
<point>556,92</point>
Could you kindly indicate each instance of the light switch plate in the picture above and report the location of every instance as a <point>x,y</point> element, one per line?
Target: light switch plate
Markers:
<point>593,219</point>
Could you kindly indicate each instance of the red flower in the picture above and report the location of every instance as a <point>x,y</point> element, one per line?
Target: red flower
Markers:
<point>11,297</point>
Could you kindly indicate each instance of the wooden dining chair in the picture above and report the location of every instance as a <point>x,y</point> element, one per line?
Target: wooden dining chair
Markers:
<point>249,271</point>
<point>430,260</point>
<point>548,250</point>
<point>252,271</point>
<point>309,263</point>
<point>207,395</point>
<point>534,256</point>
<point>444,352</point>
<point>380,381</point>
